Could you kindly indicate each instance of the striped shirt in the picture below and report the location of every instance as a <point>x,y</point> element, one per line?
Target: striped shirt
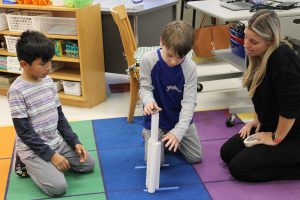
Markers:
<point>38,102</point>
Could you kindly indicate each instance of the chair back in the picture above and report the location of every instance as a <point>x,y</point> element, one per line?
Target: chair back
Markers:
<point>121,19</point>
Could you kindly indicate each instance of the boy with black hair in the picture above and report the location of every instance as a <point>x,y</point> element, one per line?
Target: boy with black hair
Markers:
<point>45,142</point>
<point>168,83</point>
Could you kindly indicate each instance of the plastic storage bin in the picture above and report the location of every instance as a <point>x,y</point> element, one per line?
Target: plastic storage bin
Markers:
<point>25,20</point>
<point>237,39</point>
<point>237,48</point>
<point>3,21</point>
<point>11,42</point>
<point>57,85</point>
<point>58,25</point>
<point>77,3</point>
<point>237,34</point>
<point>72,88</point>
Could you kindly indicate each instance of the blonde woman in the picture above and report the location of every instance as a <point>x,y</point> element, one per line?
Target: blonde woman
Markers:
<point>273,82</point>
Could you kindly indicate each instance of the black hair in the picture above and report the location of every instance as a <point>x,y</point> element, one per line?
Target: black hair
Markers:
<point>33,45</point>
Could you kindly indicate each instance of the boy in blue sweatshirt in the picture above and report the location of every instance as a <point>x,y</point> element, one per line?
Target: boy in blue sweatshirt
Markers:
<point>168,83</point>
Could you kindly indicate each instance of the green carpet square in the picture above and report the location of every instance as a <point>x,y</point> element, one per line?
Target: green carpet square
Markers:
<point>81,186</point>
<point>85,132</point>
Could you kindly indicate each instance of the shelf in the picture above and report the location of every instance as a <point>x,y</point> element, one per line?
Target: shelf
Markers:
<point>65,59</point>
<point>4,70</point>
<point>89,68</point>
<point>66,73</point>
<point>61,37</point>
<point>61,94</point>
<point>4,52</point>
<point>228,56</point>
<point>36,7</point>
<point>55,58</point>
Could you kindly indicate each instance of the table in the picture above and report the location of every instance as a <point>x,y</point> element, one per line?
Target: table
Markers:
<point>213,8</point>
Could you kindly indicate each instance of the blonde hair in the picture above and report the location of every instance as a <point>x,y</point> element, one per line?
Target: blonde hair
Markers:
<point>266,24</point>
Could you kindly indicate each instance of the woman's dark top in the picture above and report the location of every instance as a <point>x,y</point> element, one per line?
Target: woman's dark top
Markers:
<point>279,92</point>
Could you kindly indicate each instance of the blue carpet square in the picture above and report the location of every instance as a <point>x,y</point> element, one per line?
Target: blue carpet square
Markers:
<point>121,153</point>
<point>118,133</point>
<point>120,173</point>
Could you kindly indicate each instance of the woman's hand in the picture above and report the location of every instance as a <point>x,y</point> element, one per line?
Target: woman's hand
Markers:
<point>266,138</point>
<point>245,131</point>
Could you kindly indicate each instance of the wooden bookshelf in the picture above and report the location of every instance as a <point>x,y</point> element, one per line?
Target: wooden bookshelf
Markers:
<point>89,67</point>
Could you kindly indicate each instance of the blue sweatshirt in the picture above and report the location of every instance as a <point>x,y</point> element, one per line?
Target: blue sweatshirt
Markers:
<point>174,89</point>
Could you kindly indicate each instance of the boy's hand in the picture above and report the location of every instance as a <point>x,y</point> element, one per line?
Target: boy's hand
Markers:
<point>79,149</point>
<point>60,162</point>
<point>172,141</point>
<point>150,108</point>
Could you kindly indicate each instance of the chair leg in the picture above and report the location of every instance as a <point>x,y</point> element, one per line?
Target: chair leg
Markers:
<point>182,9</point>
<point>194,18</point>
<point>134,89</point>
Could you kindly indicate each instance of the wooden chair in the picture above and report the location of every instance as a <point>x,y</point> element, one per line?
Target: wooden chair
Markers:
<point>131,52</point>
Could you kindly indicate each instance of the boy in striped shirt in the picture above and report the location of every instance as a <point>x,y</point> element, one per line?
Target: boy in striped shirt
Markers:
<point>45,142</point>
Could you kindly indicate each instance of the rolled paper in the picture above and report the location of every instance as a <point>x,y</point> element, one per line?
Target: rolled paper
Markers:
<point>153,156</point>
<point>154,126</point>
<point>153,166</point>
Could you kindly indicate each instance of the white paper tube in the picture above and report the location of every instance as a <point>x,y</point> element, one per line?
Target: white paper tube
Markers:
<point>153,156</point>
<point>154,126</point>
<point>153,166</point>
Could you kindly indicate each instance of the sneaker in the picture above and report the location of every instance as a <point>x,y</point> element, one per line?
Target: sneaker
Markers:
<point>20,168</point>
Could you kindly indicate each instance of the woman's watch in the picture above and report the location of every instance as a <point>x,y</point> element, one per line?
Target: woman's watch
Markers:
<point>273,136</point>
<point>276,140</point>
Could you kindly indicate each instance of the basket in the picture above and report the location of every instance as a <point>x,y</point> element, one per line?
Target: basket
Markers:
<point>237,34</point>
<point>237,39</point>
<point>25,20</point>
<point>11,43</point>
<point>3,21</point>
<point>72,88</point>
<point>77,3</point>
<point>237,48</point>
<point>57,85</point>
